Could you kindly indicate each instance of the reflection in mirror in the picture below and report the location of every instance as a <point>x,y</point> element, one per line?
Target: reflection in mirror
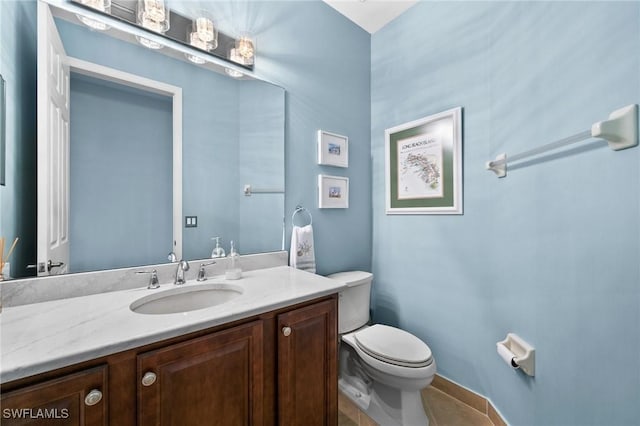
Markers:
<point>120,201</point>
<point>233,135</point>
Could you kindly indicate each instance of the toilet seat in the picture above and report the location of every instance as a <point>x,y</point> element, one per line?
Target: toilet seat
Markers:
<point>394,346</point>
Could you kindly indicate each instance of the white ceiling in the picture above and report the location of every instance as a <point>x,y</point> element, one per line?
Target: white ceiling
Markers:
<point>371,14</point>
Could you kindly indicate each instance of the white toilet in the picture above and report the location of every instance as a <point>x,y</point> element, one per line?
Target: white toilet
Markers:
<point>382,368</point>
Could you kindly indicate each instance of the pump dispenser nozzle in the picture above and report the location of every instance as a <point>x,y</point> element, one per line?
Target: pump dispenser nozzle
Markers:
<point>217,251</point>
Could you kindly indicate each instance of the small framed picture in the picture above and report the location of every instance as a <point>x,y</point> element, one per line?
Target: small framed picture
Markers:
<point>333,149</point>
<point>333,192</point>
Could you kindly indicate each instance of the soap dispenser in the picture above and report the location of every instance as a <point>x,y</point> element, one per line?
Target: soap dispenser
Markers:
<point>233,272</point>
<point>217,251</point>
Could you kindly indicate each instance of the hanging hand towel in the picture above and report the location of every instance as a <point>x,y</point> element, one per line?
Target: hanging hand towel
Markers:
<point>301,253</point>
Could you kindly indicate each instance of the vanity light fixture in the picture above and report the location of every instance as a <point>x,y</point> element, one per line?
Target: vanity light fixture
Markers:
<point>202,35</point>
<point>246,49</point>
<point>152,15</point>
<point>235,57</point>
<point>100,5</point>
<point>166,27</point>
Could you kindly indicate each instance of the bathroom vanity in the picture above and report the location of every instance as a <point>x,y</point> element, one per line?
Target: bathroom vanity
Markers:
<point>265,357</point>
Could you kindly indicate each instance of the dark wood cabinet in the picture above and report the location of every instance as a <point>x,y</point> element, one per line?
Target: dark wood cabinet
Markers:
<point>211,380</point>
<point>70,400</point>
<point>307,366</point>
<point>279,367</point>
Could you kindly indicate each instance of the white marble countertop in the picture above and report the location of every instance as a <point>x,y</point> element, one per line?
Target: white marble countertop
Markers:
<point>44,336</point>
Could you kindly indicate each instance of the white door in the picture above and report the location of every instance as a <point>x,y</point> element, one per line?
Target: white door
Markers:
<point>53,148</point>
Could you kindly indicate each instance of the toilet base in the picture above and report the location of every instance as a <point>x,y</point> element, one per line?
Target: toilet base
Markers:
<point>388,406</point>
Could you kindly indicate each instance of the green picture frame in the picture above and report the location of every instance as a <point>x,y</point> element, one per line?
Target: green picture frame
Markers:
<point>423,165</point>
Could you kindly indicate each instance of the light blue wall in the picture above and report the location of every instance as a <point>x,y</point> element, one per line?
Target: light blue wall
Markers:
<point>261,162</point>
<point>17,66</point>
<point>121,205</point>
<point>323,61</point>
<point>551,251</point>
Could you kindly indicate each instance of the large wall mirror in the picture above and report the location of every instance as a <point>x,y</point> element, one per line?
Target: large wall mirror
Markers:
<point>160,152</point>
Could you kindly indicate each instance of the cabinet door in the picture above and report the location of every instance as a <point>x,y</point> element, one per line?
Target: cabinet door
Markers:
<point>307,366</point>
<point>75,399</point>
<point>212,380</point>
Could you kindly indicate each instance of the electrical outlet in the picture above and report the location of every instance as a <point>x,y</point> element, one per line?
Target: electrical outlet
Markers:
<point>191,221</point>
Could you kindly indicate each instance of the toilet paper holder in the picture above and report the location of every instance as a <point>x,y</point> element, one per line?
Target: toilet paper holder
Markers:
<point>517,353</point>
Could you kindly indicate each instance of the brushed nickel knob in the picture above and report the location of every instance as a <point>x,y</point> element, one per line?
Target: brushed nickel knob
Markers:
<point>149,378</point>
<point>286,331</point>
<point>93,397</point>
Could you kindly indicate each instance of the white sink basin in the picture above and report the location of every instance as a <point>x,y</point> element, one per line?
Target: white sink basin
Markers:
<point>188,297</point>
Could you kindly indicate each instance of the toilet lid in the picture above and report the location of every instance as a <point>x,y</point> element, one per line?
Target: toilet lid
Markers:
<point>394,346</point>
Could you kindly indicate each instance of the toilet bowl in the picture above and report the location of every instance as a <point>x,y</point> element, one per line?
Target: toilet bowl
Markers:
<point>382,368</point>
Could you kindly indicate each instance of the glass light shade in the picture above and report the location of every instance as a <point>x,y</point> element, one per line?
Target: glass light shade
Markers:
<point>246,49</point>
<point>195,59</point>
<point>233,73</point>
<point>149,44</point>
<point>196,41</point>
<point>235,56</point>
<point>153,15</point>
<point>100,5</point>
<point>207,32</point>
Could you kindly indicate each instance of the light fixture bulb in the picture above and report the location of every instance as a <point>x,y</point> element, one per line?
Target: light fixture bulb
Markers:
<point>154,10</point>
<point>235,56</point>
<point>205,29</point>
<point>153,15</point>
<point>233,73</point>
<point>93,24</point>
<point>149,44</point>
<point>99,5</point>
<point>195,59</point>
<point>246,49</point>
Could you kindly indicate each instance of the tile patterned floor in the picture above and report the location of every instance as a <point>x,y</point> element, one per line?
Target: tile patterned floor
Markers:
<point>441,409</point>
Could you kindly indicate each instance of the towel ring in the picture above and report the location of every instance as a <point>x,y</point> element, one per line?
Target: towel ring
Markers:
<point>300,209</point>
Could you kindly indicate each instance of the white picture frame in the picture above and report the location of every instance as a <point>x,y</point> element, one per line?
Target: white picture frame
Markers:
<point>333,192</point>
<point>423,165</point>
<point>333,149</point>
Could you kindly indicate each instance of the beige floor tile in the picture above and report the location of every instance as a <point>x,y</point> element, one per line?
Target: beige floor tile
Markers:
<point>344,420</point>
<point>366,420</point>
<point>347,407</point>
<point>441,409</point>
<point>427,409</point>
<point>448,411</point>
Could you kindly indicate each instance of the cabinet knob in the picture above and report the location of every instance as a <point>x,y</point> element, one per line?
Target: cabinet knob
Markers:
<point>149,378</point>
<point>93,397</point>
<point>286,331</point>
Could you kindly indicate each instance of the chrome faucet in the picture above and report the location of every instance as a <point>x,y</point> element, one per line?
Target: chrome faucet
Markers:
<point>202,276</point>
<point>153,279</point>
<point>183,266</point>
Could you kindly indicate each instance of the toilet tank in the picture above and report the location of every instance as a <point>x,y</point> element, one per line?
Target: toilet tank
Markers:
<point>353,302</point>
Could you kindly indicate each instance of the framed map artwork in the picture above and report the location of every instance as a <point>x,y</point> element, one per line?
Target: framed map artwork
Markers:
<point>423,165</point>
